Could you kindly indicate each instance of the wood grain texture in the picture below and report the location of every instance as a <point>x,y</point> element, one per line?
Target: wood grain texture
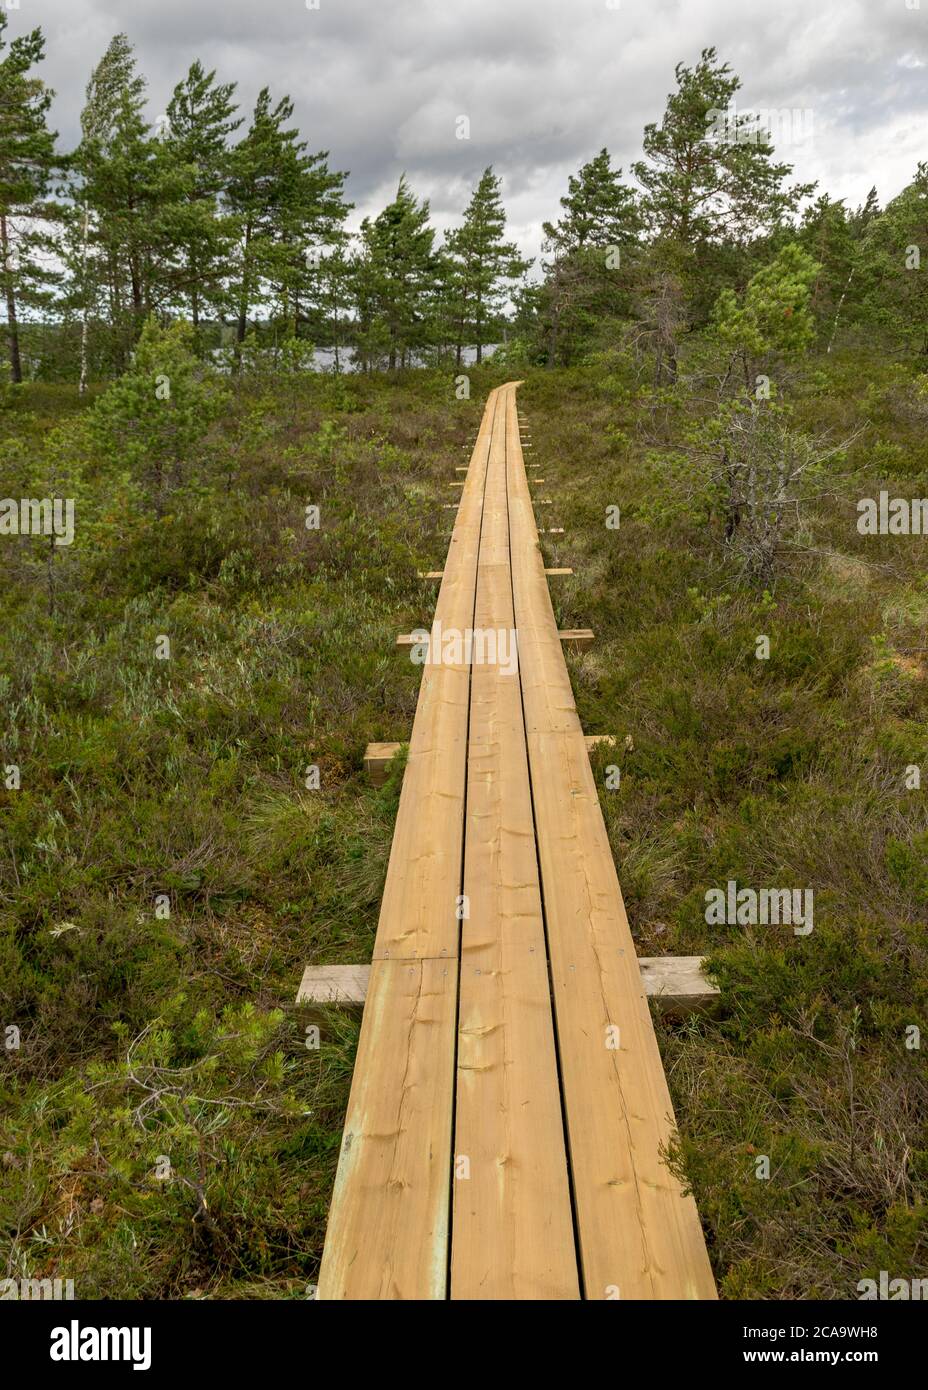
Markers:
<point>512,1229</point>
<point>673,984</point>
<point>387,1236</point>
<point>388,1228</point>
<point>418,910</point>
<point>342,986</point>
<point>458,1034</point>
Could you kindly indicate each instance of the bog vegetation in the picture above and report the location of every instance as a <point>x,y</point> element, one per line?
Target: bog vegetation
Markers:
<point>726,361</point>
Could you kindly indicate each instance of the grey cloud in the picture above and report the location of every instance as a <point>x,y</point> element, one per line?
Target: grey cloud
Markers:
<point>545,83</point>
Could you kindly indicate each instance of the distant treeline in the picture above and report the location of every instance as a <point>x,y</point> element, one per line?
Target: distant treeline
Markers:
<point>229,223</point>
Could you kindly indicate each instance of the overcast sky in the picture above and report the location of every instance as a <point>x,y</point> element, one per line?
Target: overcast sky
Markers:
<point>544,83</point>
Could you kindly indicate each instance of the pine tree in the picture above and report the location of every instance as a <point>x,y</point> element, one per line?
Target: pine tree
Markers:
<point>707,174</point>
<point>891,257</point>
<point>585,249</point>
<point>481,266</point>
<point>828,234</point>
<point>394,279</point>
<point>599,210</point>
<point>201,118</point>
<point>121,194</point>
<point>27,161</point>
<point>153,417</point>
<point>333,297</point>
<point>282,200</point>
<point>773,316</point>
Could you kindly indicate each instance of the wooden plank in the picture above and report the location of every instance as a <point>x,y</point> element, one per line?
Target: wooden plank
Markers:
<point>639,1236</point>
<point>512,1226</point>
<point>377,758</point>
<point>325,987</point>
<point>678,984</point>
<point>377,755</point>
<point>576,639</point>
<point>387,1236</point>
<point>674,984</point>
<point>437,574</point>
<point>388,1228</point>
<point>343,986</point>
<point>573,638</point>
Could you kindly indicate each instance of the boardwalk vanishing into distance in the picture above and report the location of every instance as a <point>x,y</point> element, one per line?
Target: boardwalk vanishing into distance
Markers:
<point>509,1112</point>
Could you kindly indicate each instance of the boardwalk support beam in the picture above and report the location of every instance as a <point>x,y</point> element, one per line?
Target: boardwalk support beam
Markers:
<point>675,985</point>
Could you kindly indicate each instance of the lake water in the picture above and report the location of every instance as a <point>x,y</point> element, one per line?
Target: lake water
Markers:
<point>324,358</point>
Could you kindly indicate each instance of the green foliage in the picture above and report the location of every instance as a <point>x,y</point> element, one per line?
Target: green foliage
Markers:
<point>184,778</point>
<point>394,281</point>
<point>781,772</point>
<point>587,281</point>
<point>478,266</point>
<point>123,193</point>
<point>146,1036</point>
<point>907,862</point>
<point>243,233</point>
<point>599,210</point>
<point>707,173</point>
<point>201,118</point>
<point>281,201</point>
<point>27,162</point>
<point>895,293</point>
<point>774,314</point>
<point>153,418</point>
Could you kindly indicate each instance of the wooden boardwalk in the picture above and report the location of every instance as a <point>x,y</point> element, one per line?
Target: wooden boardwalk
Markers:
<point>508,1113</point>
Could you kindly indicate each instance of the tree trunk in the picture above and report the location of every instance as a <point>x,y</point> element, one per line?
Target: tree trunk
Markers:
<point>85,316</point>
<point>16,369</point>
<point>834,326</point>
<point>552,340</point>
